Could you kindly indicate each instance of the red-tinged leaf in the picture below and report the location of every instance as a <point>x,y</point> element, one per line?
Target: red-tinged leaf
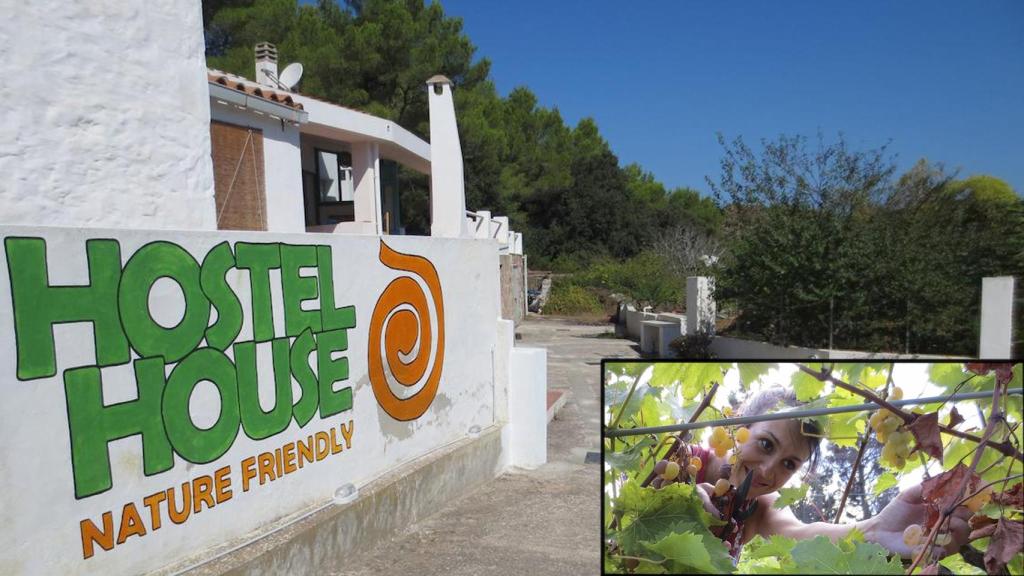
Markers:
<point>926,431</point>
<point>1012,497</point>
<point>982,532</point>
<point>979,521</point>
<point>1007,541</point>
<point>942,490</point>
<point>1004,373</point>
<point>979,368</point>
<point>931,517</point>
<point>954,418</point>
<point>932,568</point>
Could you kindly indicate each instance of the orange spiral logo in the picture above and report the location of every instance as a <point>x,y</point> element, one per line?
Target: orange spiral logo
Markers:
<point>401,320</point>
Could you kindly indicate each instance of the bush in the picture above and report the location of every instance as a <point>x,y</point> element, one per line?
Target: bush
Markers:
<point>568,298</point>
<point>693,346</point>
<point>645,278</point>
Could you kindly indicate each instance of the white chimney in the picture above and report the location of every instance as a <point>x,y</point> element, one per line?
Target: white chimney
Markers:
<point>266,64</point>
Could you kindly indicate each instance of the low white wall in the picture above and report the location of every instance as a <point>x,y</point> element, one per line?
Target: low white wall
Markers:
<point>62,501</point>
<point>108,116</point>
<point>725,347</point>
<point>282,167</point>
<point>633,320</point>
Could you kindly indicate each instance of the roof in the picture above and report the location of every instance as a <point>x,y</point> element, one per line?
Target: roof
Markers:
<point>251,88</point>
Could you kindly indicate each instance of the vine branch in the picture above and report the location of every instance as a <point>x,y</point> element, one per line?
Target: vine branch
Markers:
<point>1004,447</point>
<point>995,416</point>
<point>679,437</point>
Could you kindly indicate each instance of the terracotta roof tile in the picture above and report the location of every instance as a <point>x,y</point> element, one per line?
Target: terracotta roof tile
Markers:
<point>251,88</point>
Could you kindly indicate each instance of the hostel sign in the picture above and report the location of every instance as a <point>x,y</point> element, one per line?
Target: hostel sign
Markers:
<point>258,325</point>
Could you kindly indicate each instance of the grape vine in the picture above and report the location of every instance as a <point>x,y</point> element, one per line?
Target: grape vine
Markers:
<point>655,520</point>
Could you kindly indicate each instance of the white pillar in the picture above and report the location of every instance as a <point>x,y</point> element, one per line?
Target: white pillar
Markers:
<point>500,230</point>
<point>996,317</point>
<point>700,304</point>
<point>482,224</point>
<point>528,407</point>
<point>447,186</point>
<point>366,175</point>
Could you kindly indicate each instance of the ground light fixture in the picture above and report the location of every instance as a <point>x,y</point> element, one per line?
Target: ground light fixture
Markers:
<point>346,493</point>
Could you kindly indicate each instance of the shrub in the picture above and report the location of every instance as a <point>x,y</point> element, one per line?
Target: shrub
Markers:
<point>569,298</point>
<point>645,278</point>
<point>693,346</point>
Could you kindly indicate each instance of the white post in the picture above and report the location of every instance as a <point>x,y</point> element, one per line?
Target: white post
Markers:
<point>482,224</point>
<point>528,407</point>
<point>447,185</point>
<point>700,304</point>
<point>366,174</point>
<point>996,317</point>
<point>500,229</point>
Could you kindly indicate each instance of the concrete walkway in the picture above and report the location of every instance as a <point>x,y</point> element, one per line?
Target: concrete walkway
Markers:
<point>532,522</point>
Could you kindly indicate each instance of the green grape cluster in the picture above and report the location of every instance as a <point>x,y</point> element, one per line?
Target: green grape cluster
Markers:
<point>893,435</point>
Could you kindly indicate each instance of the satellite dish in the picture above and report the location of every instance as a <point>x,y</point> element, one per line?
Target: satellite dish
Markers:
<point>291,75</point>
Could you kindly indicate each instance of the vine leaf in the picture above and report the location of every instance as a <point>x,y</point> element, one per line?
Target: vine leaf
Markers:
<point>954,418</point>
<point>820,556</point>
<point>788,496</point>
<point>667,373</point>
<point>650,514</point>
<point>926,430</point>
<point>941,490</point>
<point>630,457</point>
<point>688,553</point>
<point>751,371</point>
<point>759,547</point>
<point>1012,497</point>
<point>807,387</point>
<point>1007,541</point>
<point>884,482</point>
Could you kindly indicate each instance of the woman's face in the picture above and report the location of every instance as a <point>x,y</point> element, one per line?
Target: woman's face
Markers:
<point>775,451</point>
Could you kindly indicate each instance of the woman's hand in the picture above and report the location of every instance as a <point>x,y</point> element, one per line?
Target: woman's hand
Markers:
<point>705,491</point>
<point>908,508</point>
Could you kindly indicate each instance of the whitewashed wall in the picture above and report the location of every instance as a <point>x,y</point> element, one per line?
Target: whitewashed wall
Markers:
<point>107,115</point>
<point>282,166</point>
<point>42,516</point>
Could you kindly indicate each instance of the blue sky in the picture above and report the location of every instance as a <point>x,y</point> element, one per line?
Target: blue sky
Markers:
<point>939,79</point>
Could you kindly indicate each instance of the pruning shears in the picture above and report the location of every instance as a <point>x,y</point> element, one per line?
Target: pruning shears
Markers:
<point>733,506</point>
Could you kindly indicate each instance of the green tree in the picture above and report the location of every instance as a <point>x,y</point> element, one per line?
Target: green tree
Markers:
<point>790,212</point>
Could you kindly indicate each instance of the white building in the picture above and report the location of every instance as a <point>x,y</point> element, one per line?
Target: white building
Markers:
<point>211,326</point>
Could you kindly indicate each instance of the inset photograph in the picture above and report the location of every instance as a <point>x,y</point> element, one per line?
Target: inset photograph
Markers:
<point>812,467</point>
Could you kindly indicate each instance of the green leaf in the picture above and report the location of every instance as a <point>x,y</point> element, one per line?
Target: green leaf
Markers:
<point>946,374</point>
<point>684,552</point>
<point>699,377</point>
<point>751,371</point>
<point>819,556</point>
<point>628,459</point>
<point>668,373</point>
<point>632,369</point>
<point>884,482</point>
<point>842,429</point>
<point>957,565</point>
<point>788,496</point>
<point>807,387</point>
<point>777,545</point>
<point>650,515</point>
<point>871,558</point>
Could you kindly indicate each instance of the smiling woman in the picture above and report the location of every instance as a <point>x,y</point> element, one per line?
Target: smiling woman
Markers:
<point>770,453</point>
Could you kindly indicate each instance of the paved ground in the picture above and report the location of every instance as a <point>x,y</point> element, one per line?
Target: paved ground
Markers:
<point>532,522</point>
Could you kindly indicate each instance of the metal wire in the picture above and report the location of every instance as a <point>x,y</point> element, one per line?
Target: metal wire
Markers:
<point>797,414</point>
